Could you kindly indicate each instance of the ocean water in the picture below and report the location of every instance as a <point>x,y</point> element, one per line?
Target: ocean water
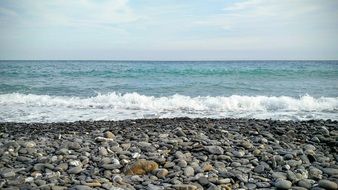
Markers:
<point>54,91</point>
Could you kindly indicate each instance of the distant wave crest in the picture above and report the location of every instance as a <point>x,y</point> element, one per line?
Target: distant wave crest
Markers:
<point>115,106</point>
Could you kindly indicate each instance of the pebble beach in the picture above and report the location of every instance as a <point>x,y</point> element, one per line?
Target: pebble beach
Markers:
<point>177,153</point>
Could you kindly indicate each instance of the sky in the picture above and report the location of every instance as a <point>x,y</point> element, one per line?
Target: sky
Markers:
<point>169,29</point>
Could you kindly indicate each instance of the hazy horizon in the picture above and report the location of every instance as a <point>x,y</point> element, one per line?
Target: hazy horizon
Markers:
<point>169,30</point>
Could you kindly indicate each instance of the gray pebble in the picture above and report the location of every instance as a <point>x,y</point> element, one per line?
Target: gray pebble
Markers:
<point>75,170</point>
<point>328,184</point>
<point>189,171</point>
<point>283,184</point>
<point>214,149</point>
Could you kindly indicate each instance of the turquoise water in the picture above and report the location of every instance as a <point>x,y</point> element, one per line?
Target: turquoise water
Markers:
<point>91,90</point>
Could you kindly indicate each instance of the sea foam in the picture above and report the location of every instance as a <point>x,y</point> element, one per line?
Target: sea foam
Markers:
<point>114,106</point>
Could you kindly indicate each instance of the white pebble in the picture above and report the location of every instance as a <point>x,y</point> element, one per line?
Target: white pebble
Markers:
<point>29,179</point>
<point>136,155</point>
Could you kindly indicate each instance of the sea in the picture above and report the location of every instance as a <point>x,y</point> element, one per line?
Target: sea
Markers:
<point>66,91</point>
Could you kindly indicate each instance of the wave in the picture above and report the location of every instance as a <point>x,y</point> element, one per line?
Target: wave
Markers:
<point>116,106</point>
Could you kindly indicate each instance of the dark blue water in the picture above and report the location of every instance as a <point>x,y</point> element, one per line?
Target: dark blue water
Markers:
<point>284,89</point>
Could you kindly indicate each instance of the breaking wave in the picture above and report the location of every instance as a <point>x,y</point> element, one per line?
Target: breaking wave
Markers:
<point>18,107</point>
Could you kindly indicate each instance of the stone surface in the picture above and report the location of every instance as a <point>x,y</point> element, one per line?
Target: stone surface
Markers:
<point>178,153</point>
<point>214,149</point>
<point>189,171</point>
<point>162,173</point>
<point>328,184</point>
<point>141,167</point>
<point>109,135</point>
<point>283,184</point>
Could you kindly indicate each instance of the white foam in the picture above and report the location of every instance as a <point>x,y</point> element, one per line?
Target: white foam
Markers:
<point>114,106</point>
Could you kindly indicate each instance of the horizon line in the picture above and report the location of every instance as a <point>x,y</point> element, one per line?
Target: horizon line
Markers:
<point>168,60</point>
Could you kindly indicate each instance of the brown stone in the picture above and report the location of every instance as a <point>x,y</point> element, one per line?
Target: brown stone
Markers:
<point>109,135</point>
<point>207,167</point>
<point>185,187</point>
<point>226,186</point>
<point>141,167</point>
<point>93,184</point>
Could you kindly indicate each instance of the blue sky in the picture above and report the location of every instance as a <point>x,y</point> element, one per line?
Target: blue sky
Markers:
<point>168,29</point>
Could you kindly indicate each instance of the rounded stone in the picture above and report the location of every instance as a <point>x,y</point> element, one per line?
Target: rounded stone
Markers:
<point>162,173</point>
<point>259,169</point>
<point>239,153</point>
<point>8,174</point>
<point>103,151</point>
<point>247,144</point>
<point>182,163</point>
<point>330,185</point>
<point>203,181</point>
<point>283,184</point>
<point>207,167</point>
<point>136,178</point>
<point>109,135</point>
<point>117,179</point>
<point>214,149</point>
<point>189,171</point>
<point>305,183</point>
<point>279,175</point>
<point>251,186</point>
<point>30,144</point>
<point>75,170</point>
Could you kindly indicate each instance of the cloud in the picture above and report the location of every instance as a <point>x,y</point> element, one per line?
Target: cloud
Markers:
<point>146,25</point>
<point>72,13</point>
<point>264,13</point>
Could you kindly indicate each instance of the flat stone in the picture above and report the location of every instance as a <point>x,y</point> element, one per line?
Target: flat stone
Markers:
<point>292,176</point>
<point>214,149</point>
<point>111,166</point>
<point>29,179</point>
<point>74,145</point>
<point>75,170</point>
<point>141,167</point>
<point>184,187</point>
<point>279,175</point>
<point>59,188</point>
<point>30,144</point>
<point>263,184</point>
<point>305,183</point>
<point>239,153</point>
<point>169,164</point>
<point>8,174</point>
<point>294,163</point>
<point>154,187</point>
<point>330,171</point>
<point>224,181</point>
<point>39,167</point>
<point>259,169</point>
<point>330,185</point>
<point>93,184</point>
<point>251,186</point>
<point>82,187</point>
<point>40,182</point>
<point>283,184</point>
<point>203,181</point>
